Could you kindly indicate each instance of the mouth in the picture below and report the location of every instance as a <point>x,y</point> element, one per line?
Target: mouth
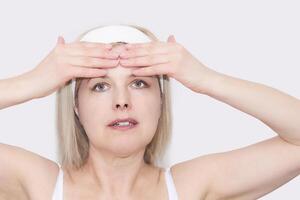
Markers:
<point>123,124</point>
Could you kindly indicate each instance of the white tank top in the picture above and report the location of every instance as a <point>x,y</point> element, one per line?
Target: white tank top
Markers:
<point>58,191</point>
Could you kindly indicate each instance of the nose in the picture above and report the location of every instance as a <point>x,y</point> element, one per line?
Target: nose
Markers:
<point>121,101</point>
<point>121,106</point>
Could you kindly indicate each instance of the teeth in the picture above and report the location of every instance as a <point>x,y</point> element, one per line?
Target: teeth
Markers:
<point>122,124</point>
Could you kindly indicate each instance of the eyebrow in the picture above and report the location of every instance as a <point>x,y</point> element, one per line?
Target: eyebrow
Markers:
<point>132,75</point>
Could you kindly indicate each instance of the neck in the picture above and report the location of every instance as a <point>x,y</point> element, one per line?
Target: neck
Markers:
<point>116,174</point>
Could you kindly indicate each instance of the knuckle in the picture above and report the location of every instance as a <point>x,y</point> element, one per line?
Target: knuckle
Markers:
<point>151,59</point>
<point>111,62</point>
<point>68,74</point>
<point>177,56</point>
<point>58,50</point>
<point>105,53</point>
<point>179,47</point>
<point>82,43</point>
<point>152,47</point>
<point>164,59</point>
<point>154,43</point>
<point>150,50</point>
<point>60,59</point>
<point>132,61</point>
<point>94,61</point>
<point>78,71</point>
<point>155,49</point>
<point>172,70</point>
<point>84,51</point>
<point>75,45</point>
<point>85,60</point>
<point>98,61</point>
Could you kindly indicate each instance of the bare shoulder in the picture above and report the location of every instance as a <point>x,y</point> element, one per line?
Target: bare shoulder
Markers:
<point>192,177</point>
<point>26,174</point>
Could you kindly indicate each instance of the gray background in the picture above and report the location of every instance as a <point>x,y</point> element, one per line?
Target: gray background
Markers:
<point>253,40</point>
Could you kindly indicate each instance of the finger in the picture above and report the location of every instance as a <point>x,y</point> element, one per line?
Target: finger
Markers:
<point>150,71</point>
<point>86,72</point>
<point>93,44</point>
<point>145,60</point>
<point>60,40</point>
<point>149,50</point>
<point>171,39</point>
<point>141,45</point>
<point>98,52</point>
<point>91,62</point>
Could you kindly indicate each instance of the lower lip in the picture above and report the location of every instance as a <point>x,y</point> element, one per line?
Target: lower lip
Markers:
<point>123,128</point>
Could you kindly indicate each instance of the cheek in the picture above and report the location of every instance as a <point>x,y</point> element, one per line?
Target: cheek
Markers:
<point>147,108</point>
<point>147,111</point>
<point>147,102</point>
<point>93,112</point>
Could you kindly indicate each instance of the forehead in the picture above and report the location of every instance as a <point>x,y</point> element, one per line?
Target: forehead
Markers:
<point>120,72</point>
<point>124,77</point>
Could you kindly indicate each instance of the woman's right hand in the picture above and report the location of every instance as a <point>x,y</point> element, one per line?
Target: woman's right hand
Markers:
<point>68,61</point>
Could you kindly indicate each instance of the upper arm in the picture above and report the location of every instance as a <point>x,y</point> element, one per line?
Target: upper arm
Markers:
<point>192,177</point>
<point>255,170</point>
<point>20,168</point>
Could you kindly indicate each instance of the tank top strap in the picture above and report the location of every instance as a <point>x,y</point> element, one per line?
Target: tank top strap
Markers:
<point>58,190</point>
<point>170,185</point>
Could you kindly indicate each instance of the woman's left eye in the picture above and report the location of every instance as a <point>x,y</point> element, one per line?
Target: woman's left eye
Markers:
<point>143,83</point>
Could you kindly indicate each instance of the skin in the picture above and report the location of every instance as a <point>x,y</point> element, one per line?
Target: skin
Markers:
<point>116,157</point>
<point>226,175</point>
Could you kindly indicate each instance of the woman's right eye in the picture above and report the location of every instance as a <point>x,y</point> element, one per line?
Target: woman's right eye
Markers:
<point>96,86</point>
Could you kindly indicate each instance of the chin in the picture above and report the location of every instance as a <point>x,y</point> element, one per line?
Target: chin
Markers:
<point>126,149</point>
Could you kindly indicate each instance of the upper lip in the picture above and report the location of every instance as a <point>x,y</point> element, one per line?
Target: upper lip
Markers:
<point>123,120</point>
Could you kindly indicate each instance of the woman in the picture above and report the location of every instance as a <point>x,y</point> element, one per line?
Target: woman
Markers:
<point>105,159</point>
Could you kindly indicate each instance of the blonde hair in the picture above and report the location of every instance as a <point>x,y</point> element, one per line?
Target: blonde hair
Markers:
<point>73,143</point>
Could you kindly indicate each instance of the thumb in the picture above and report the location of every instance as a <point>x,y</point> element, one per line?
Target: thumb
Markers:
<point>171,38</point>
<point>60,40</point>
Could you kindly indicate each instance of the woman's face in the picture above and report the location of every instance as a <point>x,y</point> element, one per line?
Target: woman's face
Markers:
<point>119,95</point>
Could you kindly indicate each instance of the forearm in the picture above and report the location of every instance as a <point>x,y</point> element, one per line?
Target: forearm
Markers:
<point>279,111</point>
<point>16,90</point>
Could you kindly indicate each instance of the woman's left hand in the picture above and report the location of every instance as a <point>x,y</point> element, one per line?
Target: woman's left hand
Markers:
<point>168,58</point>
